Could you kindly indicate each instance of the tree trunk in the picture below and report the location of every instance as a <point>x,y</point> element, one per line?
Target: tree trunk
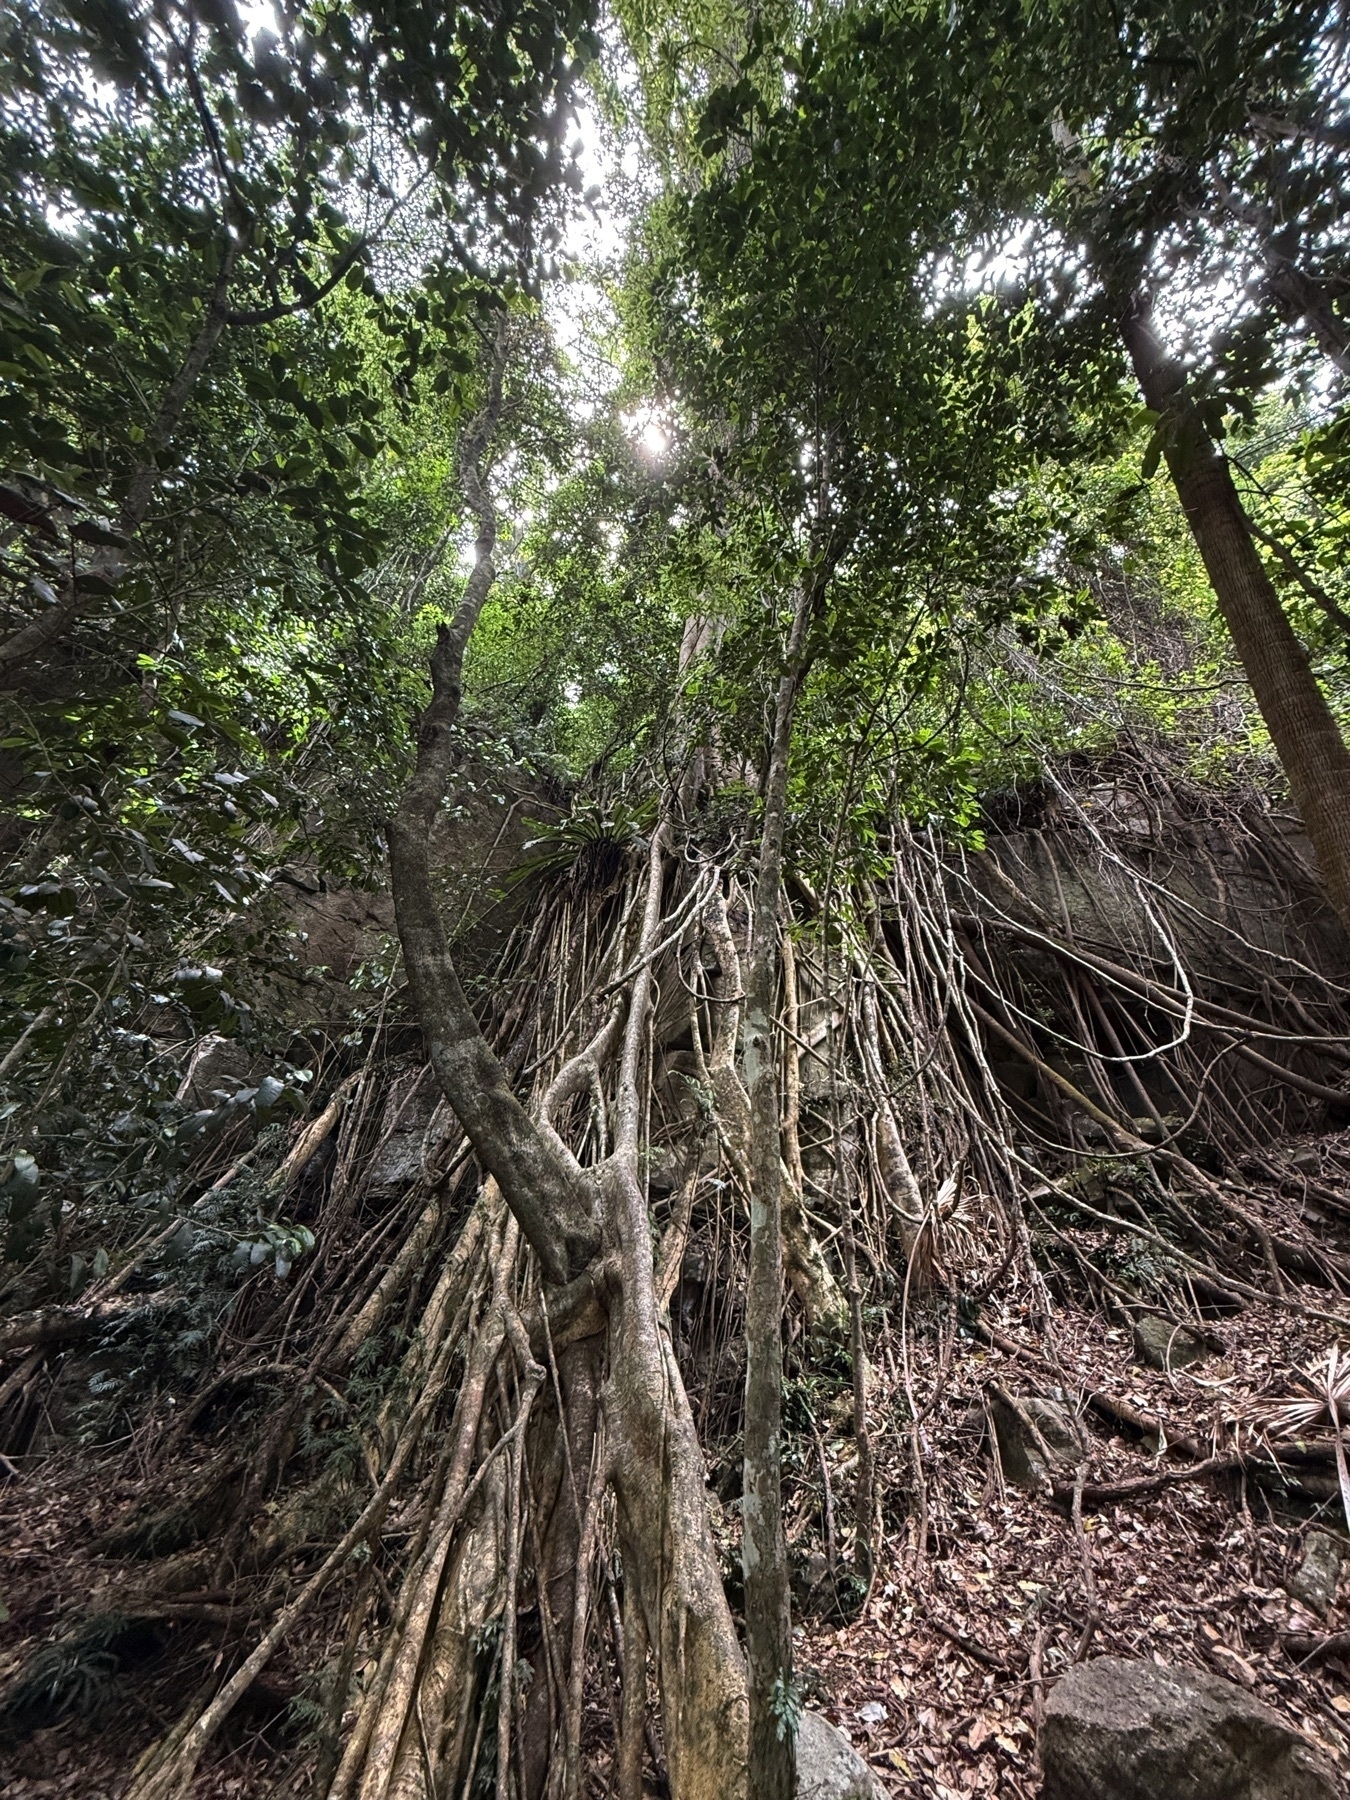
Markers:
<point>664,1534</point>
<point>1306,737</point>
<point>541,1181</point>
<point>768,1606</point>
<point>655,1463</point>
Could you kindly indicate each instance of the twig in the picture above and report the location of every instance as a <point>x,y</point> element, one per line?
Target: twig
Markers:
<point>967,1646</point>
<point>1089,1584</point>
<point>1135,1485</point>
<point>831,1555</point>
<point>16,1049</point>
<point>1037,1681</point>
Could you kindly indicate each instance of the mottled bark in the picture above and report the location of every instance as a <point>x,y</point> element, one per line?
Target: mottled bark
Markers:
<point>664,1529</point>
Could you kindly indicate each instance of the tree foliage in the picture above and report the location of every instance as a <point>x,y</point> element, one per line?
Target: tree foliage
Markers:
<point>283,395</point>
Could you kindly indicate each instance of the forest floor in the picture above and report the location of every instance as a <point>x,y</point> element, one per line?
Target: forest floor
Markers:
<point>935,1683</point>
<point>938,1682</point>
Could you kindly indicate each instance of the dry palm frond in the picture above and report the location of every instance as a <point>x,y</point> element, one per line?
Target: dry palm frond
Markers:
<point>957,1223</point>
<point>1326,1402</point>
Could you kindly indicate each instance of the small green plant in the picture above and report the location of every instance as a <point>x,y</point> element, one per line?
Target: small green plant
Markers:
<point>589,844</point>
<point>785,1701</point>
<point>73,1675</point>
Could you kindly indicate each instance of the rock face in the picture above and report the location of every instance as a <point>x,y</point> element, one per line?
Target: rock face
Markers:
<point>1135,1731</point>
<point>415,1132</point>
<point>1037,1438</point>
<point>1164,1345</point>
<point>1314,1582</point>
<point>828,1767</point>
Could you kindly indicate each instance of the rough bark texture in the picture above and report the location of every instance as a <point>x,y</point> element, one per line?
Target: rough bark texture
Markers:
<point>664,1526</point>
<point>768,1609</point>
<point>1307,739</point>
<point>664,1531</point>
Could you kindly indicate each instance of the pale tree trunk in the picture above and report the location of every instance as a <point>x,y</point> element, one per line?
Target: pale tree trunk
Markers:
<point>664,1528</point>
<point>655,1462</point>
<point>803,1259</point>
<point>768,1610</point>
<point>1307,738</point>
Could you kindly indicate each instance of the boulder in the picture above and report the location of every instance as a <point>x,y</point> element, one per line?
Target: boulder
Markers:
<point>1163,1344</point>
<point>1314,1581</point>
<point>1139,1731</point>
<point>810,1573</point>
<point>663,1172</point>
<point>815,1569</point>
<point>828,1767</point>
<point>1037,1438</point>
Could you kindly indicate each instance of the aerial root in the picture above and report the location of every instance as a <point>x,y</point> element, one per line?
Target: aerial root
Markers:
<point>902,1152</point>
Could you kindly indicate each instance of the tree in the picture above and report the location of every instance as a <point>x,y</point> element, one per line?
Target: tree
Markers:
<point>1140,132</point>
<point>759,688</point>
<point>1185,134</point>
<point>1309,742</point>
<point>218,184</point>
<point>1213,90</point>
<point>851,429</point>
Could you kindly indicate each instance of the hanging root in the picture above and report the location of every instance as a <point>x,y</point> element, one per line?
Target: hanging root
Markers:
<point>977,1102</point>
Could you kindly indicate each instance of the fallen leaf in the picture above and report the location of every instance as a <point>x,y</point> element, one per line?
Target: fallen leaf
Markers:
<point>1238,1665</point>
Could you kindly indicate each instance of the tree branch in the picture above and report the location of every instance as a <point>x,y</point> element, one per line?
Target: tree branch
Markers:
<point>538,1176</point>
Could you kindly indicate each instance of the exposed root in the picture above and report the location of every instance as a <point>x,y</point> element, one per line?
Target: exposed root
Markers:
<point>987,1121</point>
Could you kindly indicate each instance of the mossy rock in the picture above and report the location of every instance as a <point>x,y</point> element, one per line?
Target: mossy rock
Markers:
<point>1163,1344</point>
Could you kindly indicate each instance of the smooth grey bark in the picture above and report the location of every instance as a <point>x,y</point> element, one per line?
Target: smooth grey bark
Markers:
<point>1306,736</point>
<point>539,1179</point>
